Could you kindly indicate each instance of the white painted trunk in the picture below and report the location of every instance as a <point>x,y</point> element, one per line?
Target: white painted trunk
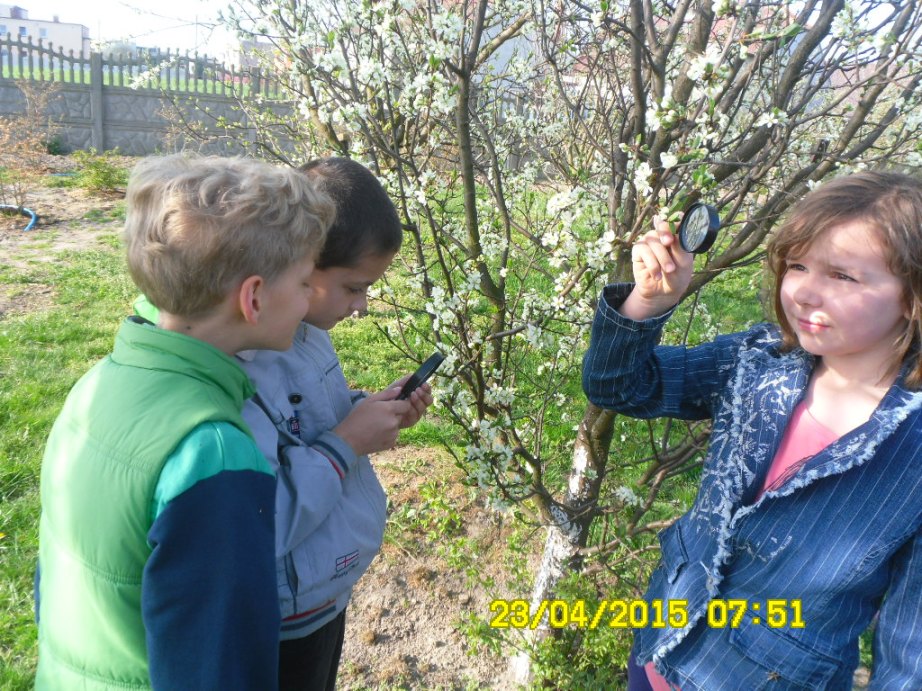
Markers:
<point>560,546</point>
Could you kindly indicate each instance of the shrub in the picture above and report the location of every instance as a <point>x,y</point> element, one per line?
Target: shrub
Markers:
<point>55,146</point>
<point>23,143</point>
<point>100,172</point>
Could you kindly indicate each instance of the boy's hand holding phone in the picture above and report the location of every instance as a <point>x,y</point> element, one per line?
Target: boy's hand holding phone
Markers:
<point>373,425</point>
<point>414,388</point>
<point>662,272</point>
<point>419,399</point>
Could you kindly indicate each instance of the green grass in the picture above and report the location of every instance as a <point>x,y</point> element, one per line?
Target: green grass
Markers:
<point>116,213</point>
<point>41,355</point>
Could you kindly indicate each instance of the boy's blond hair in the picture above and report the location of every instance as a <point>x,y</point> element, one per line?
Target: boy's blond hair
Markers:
<point>198,226</point>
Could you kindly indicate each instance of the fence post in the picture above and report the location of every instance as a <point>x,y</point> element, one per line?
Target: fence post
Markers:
<point>97,136</point>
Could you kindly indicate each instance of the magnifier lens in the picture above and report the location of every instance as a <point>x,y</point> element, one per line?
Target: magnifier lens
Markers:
<point>698,229</point>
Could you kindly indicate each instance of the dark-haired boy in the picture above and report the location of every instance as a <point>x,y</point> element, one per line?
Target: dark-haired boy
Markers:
<point>330,509</point>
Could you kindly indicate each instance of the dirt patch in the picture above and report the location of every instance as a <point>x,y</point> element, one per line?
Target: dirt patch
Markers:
<point>22,299</point>
<point>402,626</point>
<point>68,219</point>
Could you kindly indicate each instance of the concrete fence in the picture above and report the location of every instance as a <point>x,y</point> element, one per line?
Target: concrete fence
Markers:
<point>132,103</point>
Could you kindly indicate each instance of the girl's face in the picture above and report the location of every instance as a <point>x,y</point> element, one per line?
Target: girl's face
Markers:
<point>339,292</point>
<point>843,302</point>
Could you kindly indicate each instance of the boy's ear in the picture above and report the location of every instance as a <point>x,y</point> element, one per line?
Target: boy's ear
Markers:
<point>249,299</point>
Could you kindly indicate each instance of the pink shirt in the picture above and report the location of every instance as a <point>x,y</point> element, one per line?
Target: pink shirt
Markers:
<point>657,681</point>
<point>804,437</point>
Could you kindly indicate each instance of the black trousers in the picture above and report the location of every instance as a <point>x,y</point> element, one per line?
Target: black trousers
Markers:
<point>311,663</point>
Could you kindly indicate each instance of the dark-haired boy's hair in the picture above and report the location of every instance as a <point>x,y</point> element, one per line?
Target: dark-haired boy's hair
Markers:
<point>366,219</point>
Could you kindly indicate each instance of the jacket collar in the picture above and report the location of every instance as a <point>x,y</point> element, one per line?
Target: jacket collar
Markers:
<point>789,374</point>
<point>141,344</point>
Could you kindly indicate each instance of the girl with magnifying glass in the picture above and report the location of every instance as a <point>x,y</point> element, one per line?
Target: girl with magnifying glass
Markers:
<point>811,490</point>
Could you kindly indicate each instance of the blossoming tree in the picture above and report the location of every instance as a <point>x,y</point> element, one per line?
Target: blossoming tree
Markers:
<point>529,142</point>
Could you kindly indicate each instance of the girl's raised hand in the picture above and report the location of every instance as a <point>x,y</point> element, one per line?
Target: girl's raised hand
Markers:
<point>662,273</point>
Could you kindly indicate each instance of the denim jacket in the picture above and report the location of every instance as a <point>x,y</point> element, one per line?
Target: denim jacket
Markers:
<point>843,536</point>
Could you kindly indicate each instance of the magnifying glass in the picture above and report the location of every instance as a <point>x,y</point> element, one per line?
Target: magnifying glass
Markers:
<point>698,228</point>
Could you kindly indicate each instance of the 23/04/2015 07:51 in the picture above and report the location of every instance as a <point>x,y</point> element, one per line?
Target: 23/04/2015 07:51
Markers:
<point>637,613</point>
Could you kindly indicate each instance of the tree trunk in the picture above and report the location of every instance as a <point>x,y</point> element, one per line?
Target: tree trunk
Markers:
<point>572,520</point>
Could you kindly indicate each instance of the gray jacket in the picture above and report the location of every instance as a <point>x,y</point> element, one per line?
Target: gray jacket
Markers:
<point>330,507</point>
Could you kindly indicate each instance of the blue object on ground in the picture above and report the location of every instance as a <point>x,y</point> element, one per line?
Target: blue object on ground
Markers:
<point>25,212</point>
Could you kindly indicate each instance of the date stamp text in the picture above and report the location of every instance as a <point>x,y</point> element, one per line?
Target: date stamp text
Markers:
<point>638,614</point>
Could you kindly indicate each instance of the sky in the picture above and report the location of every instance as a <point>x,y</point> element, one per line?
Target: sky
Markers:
<point>186,25</point>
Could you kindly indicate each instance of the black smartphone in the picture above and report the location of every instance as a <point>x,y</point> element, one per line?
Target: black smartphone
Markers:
<point>425,371</point>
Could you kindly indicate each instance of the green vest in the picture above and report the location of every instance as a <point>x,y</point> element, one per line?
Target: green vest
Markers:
<point>104,456</point>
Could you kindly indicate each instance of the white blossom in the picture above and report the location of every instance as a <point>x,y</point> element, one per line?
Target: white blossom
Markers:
<point>771,118</point>
<point>703,64</point>
<point>642,175</point>
<point>627,496</point>
<point>562,200</point>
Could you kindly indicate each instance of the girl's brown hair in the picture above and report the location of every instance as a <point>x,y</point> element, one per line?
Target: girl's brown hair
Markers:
<point>891,204</point>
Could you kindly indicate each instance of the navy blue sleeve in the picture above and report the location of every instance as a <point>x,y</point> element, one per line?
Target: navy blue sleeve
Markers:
<point>624,369</point>
<point>209,594</point>
<point>898,637</point>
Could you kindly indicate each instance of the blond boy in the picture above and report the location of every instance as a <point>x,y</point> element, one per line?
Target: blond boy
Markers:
<point>156,555</point>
